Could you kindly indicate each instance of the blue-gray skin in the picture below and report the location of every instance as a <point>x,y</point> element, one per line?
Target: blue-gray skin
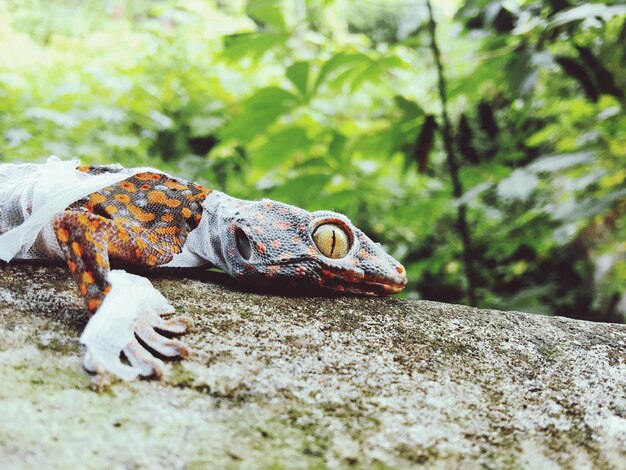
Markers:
<point>275,243</point>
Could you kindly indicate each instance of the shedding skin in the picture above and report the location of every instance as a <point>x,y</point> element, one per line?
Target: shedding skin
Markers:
<point>150,219</point>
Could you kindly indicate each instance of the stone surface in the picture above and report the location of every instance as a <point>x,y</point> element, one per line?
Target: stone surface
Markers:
<point>300,382</point>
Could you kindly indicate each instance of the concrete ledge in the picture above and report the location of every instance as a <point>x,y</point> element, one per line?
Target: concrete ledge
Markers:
<point>300,382</point>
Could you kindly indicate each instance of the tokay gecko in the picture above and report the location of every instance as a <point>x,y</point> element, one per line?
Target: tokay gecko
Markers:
<point>92,216</point>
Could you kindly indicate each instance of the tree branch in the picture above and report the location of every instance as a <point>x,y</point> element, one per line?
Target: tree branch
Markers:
<point>453,165</point>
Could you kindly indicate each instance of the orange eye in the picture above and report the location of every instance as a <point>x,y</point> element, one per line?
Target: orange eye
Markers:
<point>332,240</point>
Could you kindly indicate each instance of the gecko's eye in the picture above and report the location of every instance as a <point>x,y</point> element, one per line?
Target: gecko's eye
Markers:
<point>332,240</point>
<point>243,244</point>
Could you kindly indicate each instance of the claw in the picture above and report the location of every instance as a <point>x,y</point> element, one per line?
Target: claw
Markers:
<point>177,325</point>
<point>161,344</point>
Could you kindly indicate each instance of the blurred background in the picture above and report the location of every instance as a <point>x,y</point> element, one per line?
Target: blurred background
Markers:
<point>491,161</point>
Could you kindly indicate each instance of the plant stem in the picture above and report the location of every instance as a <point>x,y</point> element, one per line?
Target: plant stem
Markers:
<point>453,165</point>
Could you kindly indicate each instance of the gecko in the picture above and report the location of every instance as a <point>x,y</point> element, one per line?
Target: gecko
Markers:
<point>150,219</point>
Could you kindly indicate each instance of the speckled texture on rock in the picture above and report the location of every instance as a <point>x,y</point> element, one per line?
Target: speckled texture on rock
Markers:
<point>300,382</point>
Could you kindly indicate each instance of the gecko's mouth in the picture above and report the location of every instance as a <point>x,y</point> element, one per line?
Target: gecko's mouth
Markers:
<point>347,281</point>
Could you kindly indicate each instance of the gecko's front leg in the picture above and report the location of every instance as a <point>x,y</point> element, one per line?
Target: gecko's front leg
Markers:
<point>125,307</point>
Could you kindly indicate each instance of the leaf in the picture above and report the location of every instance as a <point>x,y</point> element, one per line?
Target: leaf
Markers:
<point>280,147</point>
<point>340,62</point>
<point>553,163</point>
<point>161,121</point>
<point>374,71</point>
<point>301,188</point>
<point>410,109</point>
<point>587,10</point>
<point>58,118</point>
<point>298,74</point>
<point>521,73</point>
<point>255,45</point>
<point>519,185</point>
<point>464,139</point>
<point>337,146</point>
<point>471,194</point>
<point>595,206</point>
<point>575,70</point>
<point>268,12</point>
<point>424,143</point>
<point>603,78</point>
<point>259,111</point>
<point>487,119</point>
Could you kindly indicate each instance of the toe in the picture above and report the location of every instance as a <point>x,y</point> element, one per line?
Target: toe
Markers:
<point>142,360</point>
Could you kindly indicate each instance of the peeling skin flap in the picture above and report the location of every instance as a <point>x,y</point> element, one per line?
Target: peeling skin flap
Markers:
<point>32,194</point>
<point>132,301</point>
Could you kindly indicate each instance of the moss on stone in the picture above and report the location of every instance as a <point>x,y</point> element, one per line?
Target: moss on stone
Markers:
<point>311,382</point>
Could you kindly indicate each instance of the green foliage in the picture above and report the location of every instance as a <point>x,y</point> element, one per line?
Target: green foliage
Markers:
<point>334,105</point>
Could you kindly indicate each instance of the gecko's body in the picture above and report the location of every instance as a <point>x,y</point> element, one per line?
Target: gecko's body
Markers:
<point>151,219</point>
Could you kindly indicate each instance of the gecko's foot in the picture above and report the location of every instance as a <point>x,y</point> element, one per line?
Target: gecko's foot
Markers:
<point>127,322</point>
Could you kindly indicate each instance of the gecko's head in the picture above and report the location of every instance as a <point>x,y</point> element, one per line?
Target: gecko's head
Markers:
<point>276,243</point>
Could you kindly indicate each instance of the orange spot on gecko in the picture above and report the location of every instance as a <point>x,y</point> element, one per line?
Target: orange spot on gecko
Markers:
<point>71,265</point>
<point>110,210</point>
<point>261,247</point>
<point>186,212</point>
<point>63,235</point>
<point>78,251</point>
<point>175,185</point>
<point>167,230</point>
<point>100,261</point>
<point>400,269</point>
<point>148,176</point>
<point>128,186</point>
<point>83,289</point>
<point>121,232</point>
<point>97,198</point>
<point>93,304</point>
<point>159,197</point>
<point>273,270</point>
<point>88,278</point>
<point>275,244</point>
<point>123,198</point>
<point>363,254</point>
<point>167,218</point>
<point>153,237</point>
<point>140,214</point>
<point>152,260</point>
